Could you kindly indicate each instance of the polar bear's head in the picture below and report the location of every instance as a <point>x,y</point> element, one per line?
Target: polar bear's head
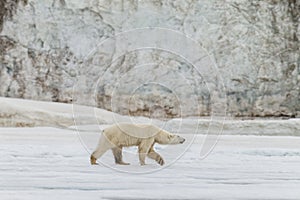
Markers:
<point>164,137</point>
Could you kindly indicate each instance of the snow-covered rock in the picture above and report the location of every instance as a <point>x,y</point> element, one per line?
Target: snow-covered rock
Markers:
<point>29,113</point>
<point>49,47</point>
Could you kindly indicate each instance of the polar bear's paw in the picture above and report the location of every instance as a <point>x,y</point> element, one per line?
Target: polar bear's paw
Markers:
<point>93,160</point>
<point>161,161</point>
<point>122,163</point>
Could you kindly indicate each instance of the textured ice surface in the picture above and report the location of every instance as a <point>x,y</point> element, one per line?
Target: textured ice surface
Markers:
<point>49,163</point>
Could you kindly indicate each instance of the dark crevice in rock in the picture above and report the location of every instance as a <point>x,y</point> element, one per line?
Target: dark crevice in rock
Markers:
<point>8,8</point>
<point>6,44</point>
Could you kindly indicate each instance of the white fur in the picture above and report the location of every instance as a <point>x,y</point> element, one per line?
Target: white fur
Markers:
<point>122,135</point>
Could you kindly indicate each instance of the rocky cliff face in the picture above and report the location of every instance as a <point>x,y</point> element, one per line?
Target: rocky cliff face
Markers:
<point>61,50</point>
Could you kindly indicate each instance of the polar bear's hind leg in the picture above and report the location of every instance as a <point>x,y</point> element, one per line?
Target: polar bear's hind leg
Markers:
<point>102,147</point>
<point>117,152</point>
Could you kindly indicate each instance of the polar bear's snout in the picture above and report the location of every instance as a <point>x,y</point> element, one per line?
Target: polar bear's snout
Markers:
<point>176,139</point>
<point>181,140</point>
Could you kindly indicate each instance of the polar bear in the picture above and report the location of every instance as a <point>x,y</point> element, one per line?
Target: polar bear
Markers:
<point>144,136</point>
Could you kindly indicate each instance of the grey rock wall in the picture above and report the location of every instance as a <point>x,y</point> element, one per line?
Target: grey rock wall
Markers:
<point>49,50</point>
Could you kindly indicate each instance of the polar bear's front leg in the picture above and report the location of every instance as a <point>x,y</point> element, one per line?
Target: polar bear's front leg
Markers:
<point>155,156</point>
<point>144,147</point>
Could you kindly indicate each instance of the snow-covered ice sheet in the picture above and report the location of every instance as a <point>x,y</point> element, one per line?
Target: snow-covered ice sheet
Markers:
<point>28,113</point>
<point>48,163</point>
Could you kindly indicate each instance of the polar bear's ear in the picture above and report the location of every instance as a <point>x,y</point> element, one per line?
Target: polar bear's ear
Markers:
<point>170,136</point>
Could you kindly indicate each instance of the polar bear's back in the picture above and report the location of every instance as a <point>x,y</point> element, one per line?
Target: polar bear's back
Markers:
<point>133,130</point>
